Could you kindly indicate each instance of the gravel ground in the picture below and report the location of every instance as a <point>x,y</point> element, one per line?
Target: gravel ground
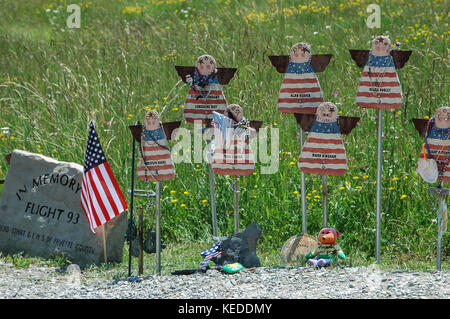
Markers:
<point>302,282</point>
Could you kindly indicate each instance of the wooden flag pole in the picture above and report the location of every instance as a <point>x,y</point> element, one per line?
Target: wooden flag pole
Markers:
<point>158,228</point>
<point>104,243</point>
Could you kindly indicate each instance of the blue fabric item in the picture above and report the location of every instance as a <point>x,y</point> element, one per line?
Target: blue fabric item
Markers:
<point>300,68</point>
<point>203,80</point>
<point>153,135</point>
<point>214,251</point>
<point>380,61</point>
<point>325,128</point>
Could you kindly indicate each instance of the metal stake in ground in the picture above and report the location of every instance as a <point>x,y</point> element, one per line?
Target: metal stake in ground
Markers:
<point>442,219</point>
<point>158,228</point>
<point>324,201</point>
<point>303,189</point>
<point>130,222</point>
<point>379,168</point>
<point>236,205</point>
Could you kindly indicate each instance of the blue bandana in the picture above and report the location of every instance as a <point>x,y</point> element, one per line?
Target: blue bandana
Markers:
<point>153,135</point>
<point>326,128</point>
<point>380,61</point>
<point>202,80</point>
<point>299,68</point>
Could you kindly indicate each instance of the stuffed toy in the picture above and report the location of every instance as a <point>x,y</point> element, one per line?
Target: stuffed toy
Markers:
<point>326,250</point>
<point>209,255</point>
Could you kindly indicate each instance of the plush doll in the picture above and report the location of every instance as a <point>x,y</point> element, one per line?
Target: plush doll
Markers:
<point>205,94</point>
<point>212,254</point>
<point>326,250</point>
<point>155,160</point>
<point>300,90</point>
<point>232,153</point>
<point>433,164</point>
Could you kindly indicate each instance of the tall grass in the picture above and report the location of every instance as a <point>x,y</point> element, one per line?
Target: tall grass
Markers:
<point>53,81</point>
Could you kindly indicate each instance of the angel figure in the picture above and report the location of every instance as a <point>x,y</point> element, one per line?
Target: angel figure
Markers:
<point>155,159</point>
<point>323,151</point>
<point>205,94</point>
<point>300,90</point>
<point>379,86</point>
<point>433,164</point>
<point>232,153</point>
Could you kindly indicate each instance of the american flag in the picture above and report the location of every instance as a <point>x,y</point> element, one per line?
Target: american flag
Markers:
<point>225,125</point>
<point>101,197</point>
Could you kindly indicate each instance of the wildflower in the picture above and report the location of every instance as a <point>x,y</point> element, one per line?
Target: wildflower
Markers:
<point>341,188</point>
<point>183,205</point>
<point>291,163</point>
<point>358,187</point>
<point>355,177</point>
<point>295,192</point>
<point>174,200</point>
<point>365,177</point>
<point>186,193</point>
<point>174,109</point>
<point>173,192</point>
<point>403,196</point>
<point>395,179</point>
<point>204,201</point>
<point>391,188</point>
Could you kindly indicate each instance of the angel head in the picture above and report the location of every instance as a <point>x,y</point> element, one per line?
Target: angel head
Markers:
<point>152,120</point>
<point>442,117</point>
<point>235,112</point>
<point>381,46</point>
<point>206,65</point>
<point>327,112</point>
<point>300,52</point>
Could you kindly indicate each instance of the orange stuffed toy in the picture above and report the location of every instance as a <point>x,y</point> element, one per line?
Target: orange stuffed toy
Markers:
<point>326,250</point>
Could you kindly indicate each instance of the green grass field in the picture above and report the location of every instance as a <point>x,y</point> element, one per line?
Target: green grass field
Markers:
<point>54,80</point>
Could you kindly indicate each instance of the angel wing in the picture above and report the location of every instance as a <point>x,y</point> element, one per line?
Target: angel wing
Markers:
<point>421,126</point>
<point>223,74</point>
<point>347,123</point>
<point>305,121</point>
<point>280,62</point>
<point>320,61</point>
<point>170,127</point>
<point>360,57</point>
<point>400,58</point>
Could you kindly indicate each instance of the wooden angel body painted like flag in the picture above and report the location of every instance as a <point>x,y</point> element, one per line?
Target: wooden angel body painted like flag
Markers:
<point>232,153</point>
<point>436,149</point>
<point>300,90</point>
<point>379,86</point>
<point>323,151</point>
<point>155,159</point>
<point>205,94</point>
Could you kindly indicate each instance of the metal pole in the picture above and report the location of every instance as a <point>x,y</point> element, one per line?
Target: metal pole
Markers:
<point>212,191</point>
<point>442,210</point>
<point>236,205</point>
<point>303,186</point>
<point>130,222</point>
<point>158,229</point>
<point>324,201</point>
<point>141,241</point>
<point>379,162</point>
